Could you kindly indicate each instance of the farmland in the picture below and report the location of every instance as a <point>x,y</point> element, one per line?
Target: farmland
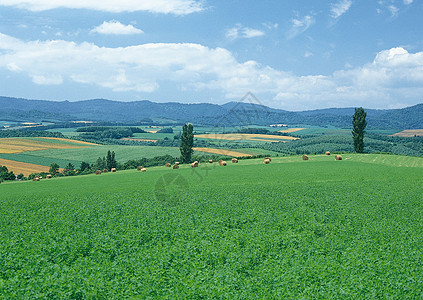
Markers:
<point>292,229</point>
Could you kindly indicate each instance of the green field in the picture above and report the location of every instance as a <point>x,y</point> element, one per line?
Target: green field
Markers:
<point>291,229</point>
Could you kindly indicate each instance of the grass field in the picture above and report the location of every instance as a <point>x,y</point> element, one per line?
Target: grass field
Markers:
<point>291,229</point>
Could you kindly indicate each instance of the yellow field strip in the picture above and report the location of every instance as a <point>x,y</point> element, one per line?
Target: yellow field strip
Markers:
<point>139,140</point>
<point>222,152</point>
<point>409,133</point>
<point>244,136</point>
<point>291,130</point>
<point>18,145</point>
<point>70,141</point>
<point>25,168</point>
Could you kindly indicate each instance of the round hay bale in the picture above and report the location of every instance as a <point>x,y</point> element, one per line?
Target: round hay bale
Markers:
<point>98,172</point>
<point>327,153</point>
<point>267,161</point>
<point>48,176</point>
<point>168,165</point>
<point>143,170</point>
<point>270,159</point>
<point>139,168</point>
<point>177,163</point>
<point>220,160</point>
<point>210,161</point>
<point>113,170</point>
<point>305,157</point>
<point>105,171</point>
<point>196,162</point>
<point>338,157</point>
<point>175,167</point>
<point>194,165</point>
<point>234,160</point>
<point>224,163</point>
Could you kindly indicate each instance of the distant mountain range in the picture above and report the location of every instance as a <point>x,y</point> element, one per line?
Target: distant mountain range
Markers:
<point>229,114</point>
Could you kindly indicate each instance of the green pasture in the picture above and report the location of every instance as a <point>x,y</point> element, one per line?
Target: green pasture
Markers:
<point>291,229</point>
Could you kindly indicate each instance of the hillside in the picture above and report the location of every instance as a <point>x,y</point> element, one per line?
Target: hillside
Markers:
<point>230,114</point>
<point>290,229</point>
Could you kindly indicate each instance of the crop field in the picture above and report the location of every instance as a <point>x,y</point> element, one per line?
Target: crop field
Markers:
<point>123,153</point>
<point>21,167</point>
<point>246,137</point>
<point>410,133</point>
<point>221,152</point>
<point>18,145</point>
<point>291,229</point>
<point>290,130</point>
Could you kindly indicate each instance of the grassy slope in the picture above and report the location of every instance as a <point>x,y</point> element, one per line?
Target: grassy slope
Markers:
<point>302,229</point>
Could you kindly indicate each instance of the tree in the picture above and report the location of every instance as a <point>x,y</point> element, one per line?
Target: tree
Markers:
<point>54,169</point>
<point>187,142</point>
<point>359,126</point>
<point>84,166</point>
<point>110,160</point>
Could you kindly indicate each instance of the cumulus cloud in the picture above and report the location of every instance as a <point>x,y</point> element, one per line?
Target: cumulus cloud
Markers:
<point>300,25</point>
<point>340,8</point>
<point>178,7</point>
<point>240,31</point>
<point>407,2</point>
<point>394,77</point>
<point>115,27</point>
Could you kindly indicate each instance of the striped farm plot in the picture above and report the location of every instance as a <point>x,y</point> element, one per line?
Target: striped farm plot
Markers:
<point>20,167</point>
<point>290,130</point>
<point>19,145</point>
<point>409,133</point>
<point>247,137</point>
<point>222,152</point>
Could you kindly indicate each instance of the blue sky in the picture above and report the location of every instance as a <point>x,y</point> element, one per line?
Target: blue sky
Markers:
<point>293,55</point>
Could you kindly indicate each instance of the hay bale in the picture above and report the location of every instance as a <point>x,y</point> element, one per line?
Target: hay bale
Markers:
<point>168,165</point>
<point>305,157</point>
<point>266,161</point>
<point>143,170</point>
<point>338,157</point>
<point>327,153</point>
<point>234,160</point>
<point>224,163</point>
<point>139,168</point>
<point>175,167</point>
<point>48,176</point>
<point>268,158</point>
<point>210,161</point>
<point>177,163</point>
<point>113,170</point>
<point>98,172</point>
<point>105,171</point>
<point>220,162</point>
<point>194,164</point>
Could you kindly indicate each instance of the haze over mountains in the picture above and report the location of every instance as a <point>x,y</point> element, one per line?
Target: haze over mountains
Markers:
<point>229,114</point>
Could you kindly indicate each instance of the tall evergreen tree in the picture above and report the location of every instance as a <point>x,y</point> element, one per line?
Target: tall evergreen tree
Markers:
<point>187,142</point>
<point>359,126</point>
<point>54,169</point>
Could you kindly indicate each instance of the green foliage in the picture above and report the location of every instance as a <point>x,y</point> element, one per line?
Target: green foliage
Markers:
<point>54,169</point>
<point>359,126</point>
<point>187,143</point>
<point>165,130</point>
<point>5,174</point>
<point>29,133</point>
<point>288,230</point>
<point>110,160</point>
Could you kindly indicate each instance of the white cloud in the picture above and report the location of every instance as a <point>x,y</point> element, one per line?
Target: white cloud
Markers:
<point>178,7</point>
<point>340,8</point>
<point>240,31</point>
<point>394,76</point>
<point>394,10</point>
<point>115,27</point>
<point>407,2</point>
<point>299,26</point>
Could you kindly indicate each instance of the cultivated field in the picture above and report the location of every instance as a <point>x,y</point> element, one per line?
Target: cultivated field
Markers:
<point>222,152</point>
<point>290,130</point>
<point>19,145</point>
<point>24,168</point>
<point>410,133</point>
<point>291,229</point>
<point>246,137</point>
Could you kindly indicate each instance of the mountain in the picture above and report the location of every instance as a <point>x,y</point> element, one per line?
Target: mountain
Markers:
<point>229,114</point>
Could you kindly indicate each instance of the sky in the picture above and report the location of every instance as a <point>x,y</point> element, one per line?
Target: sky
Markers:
<point>292,55</point>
